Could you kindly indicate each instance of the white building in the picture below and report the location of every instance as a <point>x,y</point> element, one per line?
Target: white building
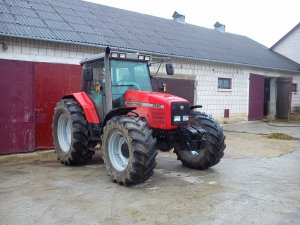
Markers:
<point>232,76</point>
<point>289,46</point>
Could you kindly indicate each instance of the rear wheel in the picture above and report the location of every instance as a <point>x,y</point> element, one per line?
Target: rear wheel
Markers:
<point>70,133</point>
<point>213,151</point>
<point>128,150</point>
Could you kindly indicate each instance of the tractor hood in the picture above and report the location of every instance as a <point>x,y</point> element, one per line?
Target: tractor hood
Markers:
<point>159,100</point>
<point>158,108</point>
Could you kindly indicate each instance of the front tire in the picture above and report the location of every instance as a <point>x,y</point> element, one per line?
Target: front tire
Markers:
<point>70,133</point>
<point>128,150</point>
<point>214,148</point>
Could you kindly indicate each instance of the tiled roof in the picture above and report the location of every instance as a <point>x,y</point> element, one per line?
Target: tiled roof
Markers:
<point>84,23</point>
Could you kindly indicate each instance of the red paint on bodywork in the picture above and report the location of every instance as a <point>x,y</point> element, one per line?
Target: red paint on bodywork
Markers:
<point>88,107</point>
<point>155,108</point>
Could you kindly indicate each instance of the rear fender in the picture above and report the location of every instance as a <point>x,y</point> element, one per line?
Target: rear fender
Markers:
<point>88,106</point>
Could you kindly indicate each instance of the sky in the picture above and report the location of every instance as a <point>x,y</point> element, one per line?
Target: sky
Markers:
<point>264,21</point>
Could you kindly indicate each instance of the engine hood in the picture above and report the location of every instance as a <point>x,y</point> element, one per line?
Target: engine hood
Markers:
<point>155,107</point>
<point>157,98</point>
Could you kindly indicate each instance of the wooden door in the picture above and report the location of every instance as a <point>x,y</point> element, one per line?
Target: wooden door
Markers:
<point>180,87</point>
<point>256,97</point>
<point>284,97</point>
<point>52,82</point>
<point>16,106</point>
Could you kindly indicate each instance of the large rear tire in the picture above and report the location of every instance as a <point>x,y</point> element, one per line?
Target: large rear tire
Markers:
<point>70,133</point>
<point>214,148</point>
<point>128,150</point>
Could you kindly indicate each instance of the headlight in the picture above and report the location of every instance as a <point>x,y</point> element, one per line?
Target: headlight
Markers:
<point>180,112</point>
<point>177,119</point>
<point>185,118</point>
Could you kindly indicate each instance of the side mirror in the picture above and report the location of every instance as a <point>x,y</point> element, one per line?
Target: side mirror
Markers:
<point>169,69</point>
<point>88,73</point>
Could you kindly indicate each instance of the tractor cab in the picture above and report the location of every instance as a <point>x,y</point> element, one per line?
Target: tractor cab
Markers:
<point>126,71</point>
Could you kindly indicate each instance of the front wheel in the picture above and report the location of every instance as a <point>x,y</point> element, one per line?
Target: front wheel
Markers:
<point>213,151</point>
<point>128,150</point>
<point>70,133</point>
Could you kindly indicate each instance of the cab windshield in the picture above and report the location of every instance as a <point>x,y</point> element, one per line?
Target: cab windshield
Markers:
<point>126,75</point>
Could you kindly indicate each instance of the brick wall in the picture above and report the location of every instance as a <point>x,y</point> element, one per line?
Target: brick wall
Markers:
<point>290,46</point>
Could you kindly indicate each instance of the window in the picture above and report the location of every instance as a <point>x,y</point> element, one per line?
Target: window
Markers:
<point>224,83</point>
<point>294,87</point>
<point>130,75</point>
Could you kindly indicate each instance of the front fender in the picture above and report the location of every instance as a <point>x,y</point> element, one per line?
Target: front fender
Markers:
<point>87,105</point>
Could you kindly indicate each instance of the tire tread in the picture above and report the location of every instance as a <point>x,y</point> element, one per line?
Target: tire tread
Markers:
<point>215,143</point>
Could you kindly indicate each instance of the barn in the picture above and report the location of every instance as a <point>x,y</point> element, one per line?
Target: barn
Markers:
<point>232,76</point>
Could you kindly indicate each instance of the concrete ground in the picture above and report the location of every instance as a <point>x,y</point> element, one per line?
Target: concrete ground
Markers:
<point>265,128</point>
<point>257,182</point>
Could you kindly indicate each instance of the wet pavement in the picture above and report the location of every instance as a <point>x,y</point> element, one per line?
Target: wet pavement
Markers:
<point>265,128</point>
<point>257,182</point>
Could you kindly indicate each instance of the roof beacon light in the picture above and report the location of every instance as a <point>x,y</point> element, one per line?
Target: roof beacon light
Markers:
<point>114,55</point>
<point>147,57</point>
<point>141,57</point>
<point>123,55</point>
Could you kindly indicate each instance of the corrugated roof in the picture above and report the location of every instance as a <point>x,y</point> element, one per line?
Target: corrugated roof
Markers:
<point>79,22</point>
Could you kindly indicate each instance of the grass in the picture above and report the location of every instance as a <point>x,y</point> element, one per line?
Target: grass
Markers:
<point>295,116</point>
<point>280,136</point>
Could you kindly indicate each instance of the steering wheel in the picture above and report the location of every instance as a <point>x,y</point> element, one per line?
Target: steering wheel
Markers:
<point>129,83</point>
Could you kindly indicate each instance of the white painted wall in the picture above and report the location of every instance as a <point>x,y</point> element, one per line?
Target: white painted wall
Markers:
<point>290,46</point>
<point>205,74</point>
<point>42,51</point>
<point>214,101</point>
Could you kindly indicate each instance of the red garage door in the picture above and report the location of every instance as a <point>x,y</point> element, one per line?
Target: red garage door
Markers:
<point>256,97</point>
<point>16,106</point>
<point>52,81</point>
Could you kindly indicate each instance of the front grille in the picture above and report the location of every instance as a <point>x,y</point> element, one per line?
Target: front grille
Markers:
<point>179,110</point>
<point>158,116</point>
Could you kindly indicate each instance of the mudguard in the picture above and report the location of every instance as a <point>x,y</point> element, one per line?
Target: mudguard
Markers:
<point>87,105</point>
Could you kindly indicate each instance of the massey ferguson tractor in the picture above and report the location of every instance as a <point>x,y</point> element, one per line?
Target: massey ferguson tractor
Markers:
<point>118,110</point>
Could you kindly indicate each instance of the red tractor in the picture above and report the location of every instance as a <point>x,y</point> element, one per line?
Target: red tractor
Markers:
<point>117,109</point>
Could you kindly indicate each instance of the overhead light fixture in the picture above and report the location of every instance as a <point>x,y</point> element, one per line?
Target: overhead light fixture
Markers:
<point>114,55</point>
<point>141,57</point>
<point>123,55</point>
